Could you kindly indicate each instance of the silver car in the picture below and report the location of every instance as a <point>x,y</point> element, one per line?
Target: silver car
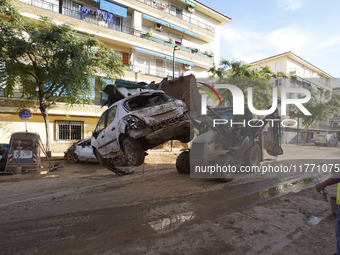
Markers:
<point>137,123</point>
<point>326,140</point>
<point>80,151</point>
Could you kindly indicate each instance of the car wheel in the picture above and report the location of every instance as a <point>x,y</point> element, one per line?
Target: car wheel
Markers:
<point>252,156</point>
<point>72,158</point>
<point>183,162</point>
<point>133,151</point>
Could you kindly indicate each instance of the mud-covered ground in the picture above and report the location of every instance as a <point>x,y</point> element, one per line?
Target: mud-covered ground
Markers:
<point>86,209</point>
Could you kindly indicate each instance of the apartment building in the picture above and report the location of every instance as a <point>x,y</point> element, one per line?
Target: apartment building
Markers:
<point>155,39</point>
<point>334,120</point>
<point>302,74</point>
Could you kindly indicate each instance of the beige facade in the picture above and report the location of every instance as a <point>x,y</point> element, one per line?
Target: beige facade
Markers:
<point>143,32</point>
<point>296,67</point>
<point>301,74</point>
<point>334,120</point>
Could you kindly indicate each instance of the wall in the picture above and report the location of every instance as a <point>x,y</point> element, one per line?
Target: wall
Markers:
<point>11,123</point>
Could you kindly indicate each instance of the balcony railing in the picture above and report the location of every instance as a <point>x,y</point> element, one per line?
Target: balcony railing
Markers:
<point>161,6</point>
<point>77,14</point>
<point>124,29</point>
<point>181,46</point>
<point>159,72</point>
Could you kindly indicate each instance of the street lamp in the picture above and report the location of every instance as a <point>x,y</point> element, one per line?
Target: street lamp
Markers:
<point>173,77</point>
<point>173,61</point>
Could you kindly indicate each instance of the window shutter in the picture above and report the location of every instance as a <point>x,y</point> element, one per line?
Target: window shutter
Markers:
<point>126,58</point>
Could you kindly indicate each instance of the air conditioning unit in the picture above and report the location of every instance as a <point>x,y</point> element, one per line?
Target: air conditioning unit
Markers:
<point>293,73</point>
<point>187,67</point>
<point>191,9</point>
<point>159,27</point>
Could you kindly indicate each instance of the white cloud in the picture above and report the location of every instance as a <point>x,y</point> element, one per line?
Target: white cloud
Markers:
<point>247,45</point>
<point>333,42</point>
<point>242,44</point>
<point>291,38</point>
<point>290,5</point>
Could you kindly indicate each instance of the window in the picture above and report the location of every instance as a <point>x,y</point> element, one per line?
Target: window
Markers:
<point>125,58</point>
<point>176,11</point>
<point>93,88</point>
<point>141,102</point>
<point>160,67</point>
<point>105,97</point>
<point>111,114</point>
<point>278,66</point>
<point>71,9</point>
<point>69,130</point>
<point>278,82</point>
<point>101,123</point>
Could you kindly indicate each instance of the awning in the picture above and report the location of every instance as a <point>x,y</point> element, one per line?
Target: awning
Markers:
<point>156,20</point>
<point>113,8</point>
<point>183,30</point>
<point>180,61</point>
<point>149,52</point>
<point>189,3</point>
<point>168,25</point>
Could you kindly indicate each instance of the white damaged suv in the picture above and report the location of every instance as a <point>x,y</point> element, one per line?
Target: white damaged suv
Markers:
<point>137,123</point>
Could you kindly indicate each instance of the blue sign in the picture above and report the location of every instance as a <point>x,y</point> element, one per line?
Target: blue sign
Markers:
<point>25,114</point>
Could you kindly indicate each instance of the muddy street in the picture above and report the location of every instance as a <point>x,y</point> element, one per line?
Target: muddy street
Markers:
<point>85,209</point>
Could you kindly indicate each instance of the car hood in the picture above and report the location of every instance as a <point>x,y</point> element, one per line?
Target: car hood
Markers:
<point>158,113</point>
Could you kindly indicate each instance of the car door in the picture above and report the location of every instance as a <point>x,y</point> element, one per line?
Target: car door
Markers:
<point>84,150</point>
<point>100,140</point>
<point>112,129</point>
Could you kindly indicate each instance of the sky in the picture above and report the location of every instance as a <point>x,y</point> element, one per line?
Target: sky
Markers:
<point>264,28</point>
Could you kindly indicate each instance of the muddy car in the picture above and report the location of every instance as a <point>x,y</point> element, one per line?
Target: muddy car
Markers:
<point>80,152</point>
<point>137,123</point>
<point>23,152</point>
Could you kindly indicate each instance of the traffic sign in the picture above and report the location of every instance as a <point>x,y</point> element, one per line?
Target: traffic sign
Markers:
<point>25,114</point>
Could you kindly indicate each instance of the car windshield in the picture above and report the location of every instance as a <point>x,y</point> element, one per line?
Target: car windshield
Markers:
<point>144,101</point>
<point>22,144</point>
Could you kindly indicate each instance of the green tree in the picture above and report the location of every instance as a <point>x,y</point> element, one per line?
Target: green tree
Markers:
<point>246,76</point>
<point>51,62</point>
<point>320,106</point>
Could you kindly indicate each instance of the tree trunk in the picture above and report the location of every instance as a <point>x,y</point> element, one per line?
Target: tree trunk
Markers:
<point>305,139</point>
<point>47,129</point>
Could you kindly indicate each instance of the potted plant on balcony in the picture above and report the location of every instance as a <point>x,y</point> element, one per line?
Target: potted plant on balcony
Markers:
<point>210,54</point>
<point>171,40</point>
<point>195,50</point>
<point>148,34</point>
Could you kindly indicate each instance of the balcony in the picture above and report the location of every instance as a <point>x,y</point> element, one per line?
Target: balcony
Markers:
<point>161,6</point>
<point>314,82</point>
<point>124,29</point>
<point>182,47</point>
<point>154,71</point>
